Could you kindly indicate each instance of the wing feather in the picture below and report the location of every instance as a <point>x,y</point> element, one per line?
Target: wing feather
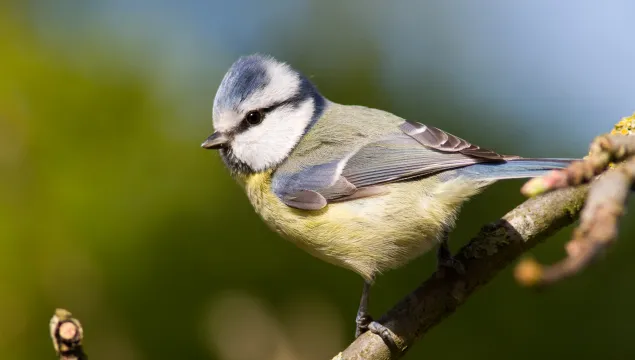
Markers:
<point>440,140</point>
<point>400,156</point>
<point>416,152</point>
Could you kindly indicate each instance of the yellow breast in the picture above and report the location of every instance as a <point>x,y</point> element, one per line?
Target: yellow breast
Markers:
<point>368,235</point>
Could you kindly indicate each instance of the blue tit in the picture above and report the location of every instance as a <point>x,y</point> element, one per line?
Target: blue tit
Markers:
<point>357,187</point>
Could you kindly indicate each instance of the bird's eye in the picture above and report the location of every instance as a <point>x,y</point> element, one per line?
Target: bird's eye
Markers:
<point>254,117</point>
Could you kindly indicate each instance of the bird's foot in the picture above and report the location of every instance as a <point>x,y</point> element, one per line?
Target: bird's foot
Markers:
<point>366,323</point>
<point>447,262</point>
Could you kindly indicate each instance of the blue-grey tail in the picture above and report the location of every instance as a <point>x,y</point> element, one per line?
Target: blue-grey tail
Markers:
<point>511,169</point>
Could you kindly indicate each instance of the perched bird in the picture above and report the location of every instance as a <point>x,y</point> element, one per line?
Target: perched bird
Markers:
<point>357,187</point>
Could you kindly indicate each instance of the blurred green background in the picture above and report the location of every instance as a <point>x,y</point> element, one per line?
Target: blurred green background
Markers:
<point>109,208</point>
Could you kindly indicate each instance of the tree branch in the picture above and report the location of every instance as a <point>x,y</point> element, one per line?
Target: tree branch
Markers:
<point>490,251</point>
<point>500,243</point>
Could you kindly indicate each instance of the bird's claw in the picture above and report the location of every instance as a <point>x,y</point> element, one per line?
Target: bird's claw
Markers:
<point>366,323</point>
<point>362,321</point>
<point>449,263</point>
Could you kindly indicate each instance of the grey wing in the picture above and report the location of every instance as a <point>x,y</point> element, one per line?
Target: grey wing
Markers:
<point>309,187</point>
<point>398,158</point>
<point>418,151</point>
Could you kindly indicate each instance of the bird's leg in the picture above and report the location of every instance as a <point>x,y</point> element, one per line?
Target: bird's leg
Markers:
<point>363,319</point>
<point>445,259</point>
<point>365,322</point>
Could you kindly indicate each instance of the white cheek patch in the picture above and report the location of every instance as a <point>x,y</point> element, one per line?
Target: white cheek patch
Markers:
<point>269,143</point>
<point>283,84</point>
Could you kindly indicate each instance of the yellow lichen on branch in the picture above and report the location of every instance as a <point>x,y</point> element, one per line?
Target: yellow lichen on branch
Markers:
<point>626,126</point>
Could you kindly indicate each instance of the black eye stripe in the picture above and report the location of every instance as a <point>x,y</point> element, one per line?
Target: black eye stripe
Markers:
<point>295,101</point>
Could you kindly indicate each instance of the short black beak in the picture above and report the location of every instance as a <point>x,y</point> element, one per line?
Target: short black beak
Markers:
<point>215,141</point>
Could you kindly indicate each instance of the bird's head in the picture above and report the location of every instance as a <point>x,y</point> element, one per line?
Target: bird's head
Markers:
<point>262,109</point>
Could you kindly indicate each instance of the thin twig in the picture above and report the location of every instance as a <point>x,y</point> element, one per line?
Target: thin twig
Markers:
<point>604,150</point>
<point>67,335</point>
<point>605,204</point>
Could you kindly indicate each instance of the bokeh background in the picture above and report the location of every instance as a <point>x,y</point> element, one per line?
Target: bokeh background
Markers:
<point>109,208</point>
